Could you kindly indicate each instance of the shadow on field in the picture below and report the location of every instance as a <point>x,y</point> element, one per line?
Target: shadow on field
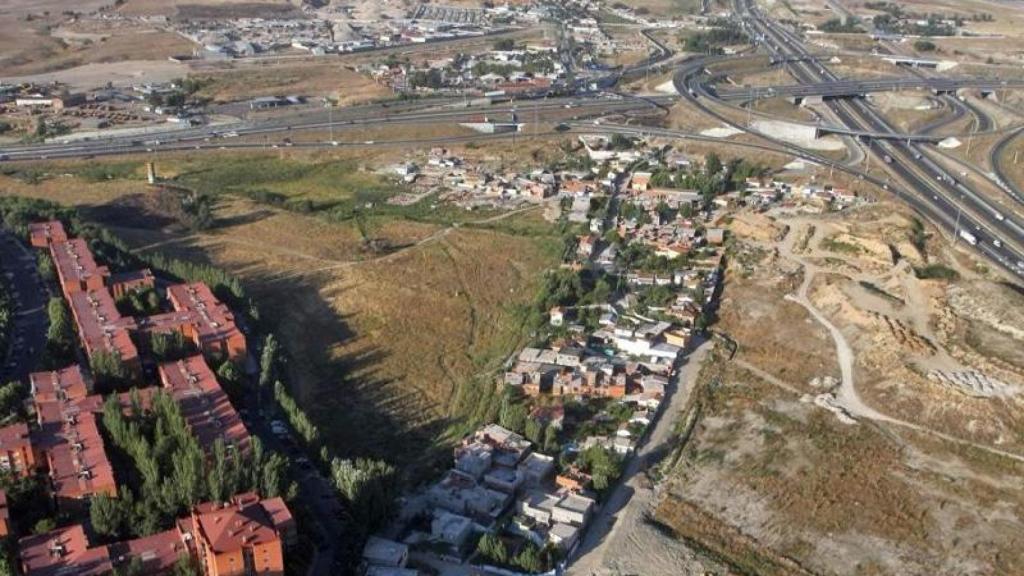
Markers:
<point>359,411</point>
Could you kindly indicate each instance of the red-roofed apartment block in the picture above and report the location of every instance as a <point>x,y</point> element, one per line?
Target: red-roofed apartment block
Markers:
<point>16,453</point>
<point>76,268</point>
<point>205,406</point>
<point>122,283</point>
<point>101,328</point>
<point>42,234</point>
<point>62,551</point>
<point>64,384</point>
<point>213,325</point>
<point>244,536</point>
<point>241,537</point>
<point>69,438</point>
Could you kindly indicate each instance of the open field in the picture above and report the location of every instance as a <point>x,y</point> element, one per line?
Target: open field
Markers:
<point>240,82</point>
<point>379,341</point>
<point>773,482</point>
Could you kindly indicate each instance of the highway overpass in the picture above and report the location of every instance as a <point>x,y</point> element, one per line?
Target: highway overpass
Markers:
<point>851,88</point>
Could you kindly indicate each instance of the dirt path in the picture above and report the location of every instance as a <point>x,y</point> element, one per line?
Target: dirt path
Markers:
<point>620,541</point>
<point>846,395</point>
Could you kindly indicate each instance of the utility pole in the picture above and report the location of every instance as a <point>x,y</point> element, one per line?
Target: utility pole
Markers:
<point>330,121</point>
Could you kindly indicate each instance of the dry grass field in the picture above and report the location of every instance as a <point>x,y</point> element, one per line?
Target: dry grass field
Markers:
<point>239,82</point>
<point>772,483</point>
<point>379,343</point>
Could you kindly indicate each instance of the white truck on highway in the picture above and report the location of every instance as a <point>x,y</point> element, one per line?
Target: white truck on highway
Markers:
<point>969,238</point>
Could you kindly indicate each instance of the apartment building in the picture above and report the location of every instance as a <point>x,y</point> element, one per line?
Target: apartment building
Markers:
<point>204,404</point>
<point>243,537</point>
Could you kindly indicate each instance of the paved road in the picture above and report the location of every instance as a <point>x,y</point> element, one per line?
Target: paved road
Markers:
<point>612,527</point>
<point>28,337</point>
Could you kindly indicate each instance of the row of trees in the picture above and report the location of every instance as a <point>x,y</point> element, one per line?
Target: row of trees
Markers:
<point>530,558</point>
<point>171,471</point>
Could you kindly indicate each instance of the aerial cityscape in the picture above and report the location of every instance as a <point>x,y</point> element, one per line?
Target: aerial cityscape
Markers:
<point>511,287</point>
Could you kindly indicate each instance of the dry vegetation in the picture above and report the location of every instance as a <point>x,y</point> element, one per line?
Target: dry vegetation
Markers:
<point>379,341</point>
<point>774,484</point>
<point>301,78</point>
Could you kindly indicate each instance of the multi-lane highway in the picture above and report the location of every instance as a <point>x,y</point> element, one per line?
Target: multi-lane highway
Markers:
<point>929,187</point>
<point>241,134</point>
<point>858,87</point>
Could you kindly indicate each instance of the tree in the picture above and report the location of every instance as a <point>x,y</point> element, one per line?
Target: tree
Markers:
<point>492,547</point>
<point>107,516</point>
<point>551,438</point>
<point>108,368</point>
<point>529,558</point>
<point>58,335</point>
<point>712,164</point>
<point>44,525</point>
<point>185,566</point>
<point>533,431</point>
<point>12,396</point>
<point>513,414</point>
<point>924,46</point>
<point>268,359</point>
<point>368,488</point>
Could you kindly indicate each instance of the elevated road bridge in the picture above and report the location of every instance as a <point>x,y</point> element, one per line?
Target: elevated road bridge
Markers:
<point>852,88</point>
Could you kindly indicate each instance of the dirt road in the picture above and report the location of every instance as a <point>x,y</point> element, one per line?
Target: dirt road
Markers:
<point>619,540</point>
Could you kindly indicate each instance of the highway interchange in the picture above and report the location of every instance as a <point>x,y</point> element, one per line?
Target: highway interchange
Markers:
<point>918,178</point>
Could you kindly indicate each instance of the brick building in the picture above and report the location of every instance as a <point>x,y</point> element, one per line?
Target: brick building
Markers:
<point>242,537</point>
<point>101,328</point>
<point>204,404</point>
<point>16,452</point>
<point>42,234</point>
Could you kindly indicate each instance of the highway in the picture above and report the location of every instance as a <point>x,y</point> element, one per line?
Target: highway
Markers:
<point>232,135</point>
<point>858,87</point>
<point>945,200</point>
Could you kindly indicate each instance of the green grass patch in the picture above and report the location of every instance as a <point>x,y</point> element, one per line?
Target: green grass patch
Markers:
<point>878,291</point>
<point>936,272</point>
<point>840,247</point>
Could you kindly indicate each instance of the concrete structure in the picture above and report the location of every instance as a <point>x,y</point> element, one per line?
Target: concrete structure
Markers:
<point>383,552</point>
<point>450,528</point>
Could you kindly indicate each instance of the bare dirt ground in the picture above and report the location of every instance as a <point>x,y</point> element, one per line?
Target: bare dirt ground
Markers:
<point>873,427</point>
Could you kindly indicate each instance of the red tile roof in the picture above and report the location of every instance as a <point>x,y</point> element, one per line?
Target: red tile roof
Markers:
<point>78,461</point>
<point>62,552</point>
<point>101,326</point>
<point>203,403</point>
<point>244,522</point>
<point>43,233</point>
<point>16,449</point>
<point>159,552</point>
<point>64,384</point>
<point>76,266</point>
<point>213,320</point>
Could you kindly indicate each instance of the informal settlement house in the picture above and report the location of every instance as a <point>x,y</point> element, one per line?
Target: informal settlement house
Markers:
<point>241,537</point>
